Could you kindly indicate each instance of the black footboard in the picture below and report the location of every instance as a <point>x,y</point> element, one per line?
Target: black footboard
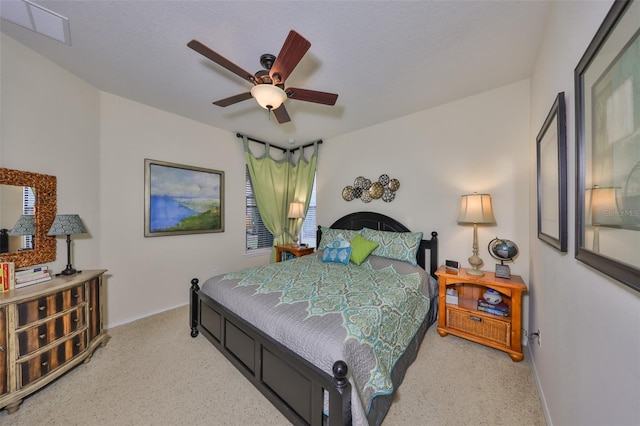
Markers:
<point>292,384</point>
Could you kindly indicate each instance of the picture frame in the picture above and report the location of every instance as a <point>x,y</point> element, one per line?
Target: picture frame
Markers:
<point>551,153</point>
<point>182,199</point>
<point>607,83</point>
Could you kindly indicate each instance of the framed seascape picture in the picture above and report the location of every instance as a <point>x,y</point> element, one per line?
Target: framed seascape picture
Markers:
<point>607,81</point>
<point>551,149</point>
<point>181,199</point>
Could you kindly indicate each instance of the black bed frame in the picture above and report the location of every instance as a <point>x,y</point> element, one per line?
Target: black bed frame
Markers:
<point>292,384</point>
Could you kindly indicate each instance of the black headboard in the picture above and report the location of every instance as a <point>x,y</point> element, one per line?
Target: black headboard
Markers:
<point>380,222</point>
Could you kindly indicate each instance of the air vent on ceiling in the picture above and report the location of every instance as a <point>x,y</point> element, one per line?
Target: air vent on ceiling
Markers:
<point>36,18</point>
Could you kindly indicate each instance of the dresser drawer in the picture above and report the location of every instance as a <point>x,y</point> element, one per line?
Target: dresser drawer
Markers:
<point>479,325</point>
<point>38,309</point>
<point>48,361</point>
<point>34,338</point>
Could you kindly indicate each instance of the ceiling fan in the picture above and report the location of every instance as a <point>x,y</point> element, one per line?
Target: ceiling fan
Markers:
<point>269,84</point>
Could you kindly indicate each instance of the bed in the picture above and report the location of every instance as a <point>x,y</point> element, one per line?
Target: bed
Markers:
<point>286,336</point>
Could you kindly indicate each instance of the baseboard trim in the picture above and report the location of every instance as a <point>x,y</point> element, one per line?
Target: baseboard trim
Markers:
<point>543,400</point>
<point>109,326</point>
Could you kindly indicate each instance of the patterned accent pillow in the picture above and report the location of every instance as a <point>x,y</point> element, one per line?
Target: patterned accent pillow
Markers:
<point>361,249</point>
<point>337,255</point>
<point>395,245</point>
<point>338,242</point>
<point>329,234</point>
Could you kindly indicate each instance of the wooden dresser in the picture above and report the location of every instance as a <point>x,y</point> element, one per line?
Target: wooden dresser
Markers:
<point>47,329</point>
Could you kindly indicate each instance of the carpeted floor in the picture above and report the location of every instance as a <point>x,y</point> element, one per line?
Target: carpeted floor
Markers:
<point>153,373</point>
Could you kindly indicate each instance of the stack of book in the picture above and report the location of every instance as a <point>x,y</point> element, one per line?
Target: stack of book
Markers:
<point>7,278</point>
<point>28,276</point>
<point>501,309</point>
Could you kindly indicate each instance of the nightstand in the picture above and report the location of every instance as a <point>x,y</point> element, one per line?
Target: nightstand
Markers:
<point>294,249</point>
<point>464,318</point>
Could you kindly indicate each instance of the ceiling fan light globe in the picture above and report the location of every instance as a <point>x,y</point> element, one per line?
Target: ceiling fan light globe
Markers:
<point>268,96</point>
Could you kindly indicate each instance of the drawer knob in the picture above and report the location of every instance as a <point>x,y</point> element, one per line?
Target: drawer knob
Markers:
<point>44,364</point>
<point>76,320</point>
<point>1,348</point>
<point>76,295</point>
<point>476,319</point>
<point>42,308</point>
<point>42,336</point>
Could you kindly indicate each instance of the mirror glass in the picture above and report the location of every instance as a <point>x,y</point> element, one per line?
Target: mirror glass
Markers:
<point>43,248</point>
<point>15,201</point>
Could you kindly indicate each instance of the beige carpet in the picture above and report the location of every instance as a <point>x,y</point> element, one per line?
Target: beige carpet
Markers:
<point>153,373</point>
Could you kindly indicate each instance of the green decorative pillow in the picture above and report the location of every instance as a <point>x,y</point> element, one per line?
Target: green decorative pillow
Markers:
<point>329,235</point>
<point>361,249</point>
<point>395,245</point>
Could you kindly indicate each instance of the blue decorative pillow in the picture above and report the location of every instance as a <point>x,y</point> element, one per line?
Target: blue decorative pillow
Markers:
<point>395,245</point>
<point>329,235</point>
<point>337,255</point>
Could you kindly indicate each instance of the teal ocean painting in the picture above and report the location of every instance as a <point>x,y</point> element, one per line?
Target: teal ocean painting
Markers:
<point>182,199</point>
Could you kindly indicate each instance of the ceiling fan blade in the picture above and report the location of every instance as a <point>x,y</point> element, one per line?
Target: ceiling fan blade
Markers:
<point>311,96</point>
<point>293,49</point>
<point>233,99</point>
<point>221,60</point>
<point>281,114</point>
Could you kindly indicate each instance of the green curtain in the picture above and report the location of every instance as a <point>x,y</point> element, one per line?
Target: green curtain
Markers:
<point>276,184</point>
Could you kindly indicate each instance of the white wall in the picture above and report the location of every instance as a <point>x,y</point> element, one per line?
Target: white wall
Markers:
<point>50,125</point>
<point>477,144</point>
<point>95,144</point>
<point>588,364</point>
<point>152,274</point>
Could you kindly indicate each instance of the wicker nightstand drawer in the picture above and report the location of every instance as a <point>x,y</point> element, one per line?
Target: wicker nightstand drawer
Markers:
<point>479,325</point>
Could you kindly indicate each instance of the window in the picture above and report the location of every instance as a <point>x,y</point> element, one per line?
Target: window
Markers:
<point>259,237</point>
<point>28,207</point>
<point>308,230</point>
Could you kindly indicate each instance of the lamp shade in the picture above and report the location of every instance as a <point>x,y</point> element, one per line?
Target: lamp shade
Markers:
<point>603,206</point>
<point>296,211</point>
<point>268,95</point>
<point>26,225</point>
<point>67,224</point>
<point>476,208</point>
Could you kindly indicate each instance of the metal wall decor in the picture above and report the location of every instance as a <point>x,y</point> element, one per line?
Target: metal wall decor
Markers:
<point>366,190</point>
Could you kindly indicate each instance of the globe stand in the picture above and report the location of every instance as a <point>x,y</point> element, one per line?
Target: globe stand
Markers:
<point>503,271</point>
<point>507,250</point>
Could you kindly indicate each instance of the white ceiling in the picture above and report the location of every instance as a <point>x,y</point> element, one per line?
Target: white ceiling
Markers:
<point>385,59</point>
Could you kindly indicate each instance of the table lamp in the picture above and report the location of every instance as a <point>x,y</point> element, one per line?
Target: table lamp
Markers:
<point>296,211</point>
<point>476,209</point>
<point>67,224</point>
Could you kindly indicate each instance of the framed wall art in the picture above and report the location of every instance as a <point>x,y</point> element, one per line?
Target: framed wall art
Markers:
<point>551,149</point>
<point>607,83</point>
<point>182,199</point>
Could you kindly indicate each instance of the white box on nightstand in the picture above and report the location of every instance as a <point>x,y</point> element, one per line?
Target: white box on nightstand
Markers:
<point>452,296</point>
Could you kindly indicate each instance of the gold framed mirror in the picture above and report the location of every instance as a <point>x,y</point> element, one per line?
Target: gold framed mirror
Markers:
<point>44,187</point>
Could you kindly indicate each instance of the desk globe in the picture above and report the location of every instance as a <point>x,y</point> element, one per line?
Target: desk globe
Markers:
<point>504,251</point>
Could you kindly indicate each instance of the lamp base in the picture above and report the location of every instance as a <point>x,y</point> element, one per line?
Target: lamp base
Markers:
<point>68,271</point>
<point>476,272</point>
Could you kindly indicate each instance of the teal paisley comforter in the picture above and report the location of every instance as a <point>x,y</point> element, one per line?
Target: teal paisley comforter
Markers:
<point>366,315</point>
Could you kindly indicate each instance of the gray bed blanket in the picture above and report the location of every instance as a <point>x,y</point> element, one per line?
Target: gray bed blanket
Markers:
<point>366,315</point>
